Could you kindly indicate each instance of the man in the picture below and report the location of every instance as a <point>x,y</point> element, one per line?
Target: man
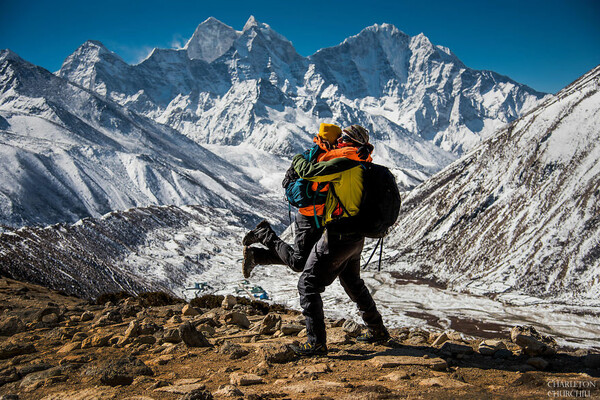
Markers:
<point>308,225</point>
<point>337,254</point>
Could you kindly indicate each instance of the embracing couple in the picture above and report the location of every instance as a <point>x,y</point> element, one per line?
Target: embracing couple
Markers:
<point>330,174</point>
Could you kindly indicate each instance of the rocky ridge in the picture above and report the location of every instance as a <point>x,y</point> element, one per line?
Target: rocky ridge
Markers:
<point>154,346</point>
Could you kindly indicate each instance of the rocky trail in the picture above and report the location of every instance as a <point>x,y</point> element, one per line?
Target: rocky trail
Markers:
<point>152,346</point>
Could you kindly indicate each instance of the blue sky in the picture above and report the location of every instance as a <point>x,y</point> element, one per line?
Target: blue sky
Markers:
<point>544,44</point>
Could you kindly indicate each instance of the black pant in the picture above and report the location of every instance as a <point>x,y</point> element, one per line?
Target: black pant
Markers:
<point>307,234</point>
<point>334,256</point>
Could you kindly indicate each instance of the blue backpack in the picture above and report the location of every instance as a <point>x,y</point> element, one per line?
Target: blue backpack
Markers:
<point>298,191</point>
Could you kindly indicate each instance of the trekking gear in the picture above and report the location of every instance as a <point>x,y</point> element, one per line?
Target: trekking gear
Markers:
<point>254,256</point>
<point>374,336</point>
<point>356,134</point>
<point>299,192</point>
<point>379,205</point>
<point>329,132</point>
<point>310,349</point>
<point>248,263</point>
<point>254,236</point>
<point>263,233</point>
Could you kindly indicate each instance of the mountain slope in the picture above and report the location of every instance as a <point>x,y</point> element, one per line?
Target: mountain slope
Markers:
<point>521,211</point>
<point>68,153</point>
<point>143,249</point>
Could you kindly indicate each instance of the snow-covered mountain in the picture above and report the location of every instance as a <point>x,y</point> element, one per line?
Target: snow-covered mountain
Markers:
<point>421,103</point>
<point>521,212</point>
<point>142,249</point>
<point>68,153</point>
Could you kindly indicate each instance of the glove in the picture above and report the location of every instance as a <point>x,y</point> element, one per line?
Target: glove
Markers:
<point>364,151</point>
<point>290,176</point>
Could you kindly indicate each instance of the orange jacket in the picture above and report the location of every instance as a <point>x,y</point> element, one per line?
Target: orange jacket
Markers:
<point>346,152</point>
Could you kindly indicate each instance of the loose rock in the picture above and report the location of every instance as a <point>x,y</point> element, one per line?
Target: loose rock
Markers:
<point>276,353</point>
<point>123,371</point>
<point>245,379</point>
<point>532,342</point>
<point>191,337</point>
<point>189,311</point>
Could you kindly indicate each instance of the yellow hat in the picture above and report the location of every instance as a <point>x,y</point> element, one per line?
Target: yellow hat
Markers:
<point>330,132</point>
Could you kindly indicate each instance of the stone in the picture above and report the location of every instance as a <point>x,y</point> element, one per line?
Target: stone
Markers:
<point>207,329</point>
<point>240,379</point>
<point>175,319</point>
<point>489,347</point>
<point>191,337</point>
<point>94,393</point>
<point>454,349</point>
<point>456,336</point>
<point>51,319</point>
<point>315,386</point>
<point>276,353</point>
<point>10,350</point>
<point>270,323</point>
<point>79,337</point>
<point>415,340</point>
<point>181,388</point>
<point>69,347</point>
<point>443,382</point>
<point>123,371</point>
<point>437,364</point>
<point>149,328</point>
<point>100,340</point>
<point>237,318</point>
<point>189,311</point>
<point>229,391</point>
<point>77,359</point>
<point>171,336</point>
<point>47,312</point>
<point>440,340</point>
<point>532,342</point>
<point>197,394</point>
<point>133,329</point>
<point>538,363</point>
<point>351,328</point>
<point>234,351</point>
<point>337,336</point>
<point>315,369</point>
<point>397,376</point>
<point>291,329</point>
<point>228,302</point>
<point>11,325</point>
<point>87,316</point>
<point>32,381</point>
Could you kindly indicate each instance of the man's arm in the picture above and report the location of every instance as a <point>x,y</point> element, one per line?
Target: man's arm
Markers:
<point>326,171</point>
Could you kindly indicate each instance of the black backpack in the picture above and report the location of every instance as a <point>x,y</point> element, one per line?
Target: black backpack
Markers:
<point>379,205</point>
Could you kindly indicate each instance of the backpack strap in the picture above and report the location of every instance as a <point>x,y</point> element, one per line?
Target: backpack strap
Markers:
<point>339,201</point>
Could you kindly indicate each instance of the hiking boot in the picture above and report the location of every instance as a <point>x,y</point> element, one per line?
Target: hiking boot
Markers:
<point>260,234</point>
<point>254,256</point>
<point>309,349</point>
<point>374,336</point>
<point>248,264</point>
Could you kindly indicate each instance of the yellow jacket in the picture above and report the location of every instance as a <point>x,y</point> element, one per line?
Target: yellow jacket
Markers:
<point>346,178</point>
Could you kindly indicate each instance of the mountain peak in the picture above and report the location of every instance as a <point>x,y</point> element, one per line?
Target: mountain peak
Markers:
<point>252,22</point>
<point>8,54</point>
<point>211,40</point>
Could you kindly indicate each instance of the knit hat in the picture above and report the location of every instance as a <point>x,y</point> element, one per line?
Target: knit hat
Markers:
<point>330,132</point>
<point>357,134</point>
